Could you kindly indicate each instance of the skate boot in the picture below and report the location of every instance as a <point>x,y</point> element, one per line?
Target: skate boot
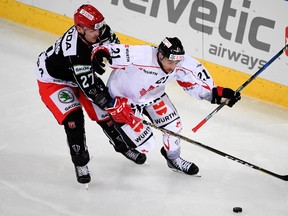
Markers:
<point>135,156</point>
<point>82,174</point>
<point>180,164</point>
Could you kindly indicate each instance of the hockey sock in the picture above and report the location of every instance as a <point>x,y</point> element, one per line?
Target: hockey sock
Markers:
<point>75,131</point>
<point>115,138</point>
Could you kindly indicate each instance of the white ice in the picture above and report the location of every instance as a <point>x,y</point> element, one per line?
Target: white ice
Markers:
<point>37,176</point>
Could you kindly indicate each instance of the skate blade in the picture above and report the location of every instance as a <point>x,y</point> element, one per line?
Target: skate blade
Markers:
<point>86,186</point>
<point>146,164</point>
<point>179,171</point>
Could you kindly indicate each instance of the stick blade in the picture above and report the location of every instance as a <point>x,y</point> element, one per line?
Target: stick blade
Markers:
<point>285,178</point>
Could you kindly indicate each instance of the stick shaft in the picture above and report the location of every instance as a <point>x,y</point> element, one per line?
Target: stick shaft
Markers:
<point>199,125</point>
<point>245,163</point>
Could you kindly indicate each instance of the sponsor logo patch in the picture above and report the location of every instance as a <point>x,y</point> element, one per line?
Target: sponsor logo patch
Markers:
<point>65,96</point>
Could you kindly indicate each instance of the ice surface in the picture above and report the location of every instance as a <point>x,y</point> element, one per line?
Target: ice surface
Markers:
<point>37,176</point>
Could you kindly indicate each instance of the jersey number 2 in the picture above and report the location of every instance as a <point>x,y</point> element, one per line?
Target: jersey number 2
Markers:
<point>87,80</point>
<point>203,75</point>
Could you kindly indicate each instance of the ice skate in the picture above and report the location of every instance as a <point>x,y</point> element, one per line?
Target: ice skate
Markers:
<point>82,174</point>
<point>181,165</point>
<point>135,156</point>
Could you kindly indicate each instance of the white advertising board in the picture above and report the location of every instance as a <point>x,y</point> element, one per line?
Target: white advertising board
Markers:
<point>239,34</point>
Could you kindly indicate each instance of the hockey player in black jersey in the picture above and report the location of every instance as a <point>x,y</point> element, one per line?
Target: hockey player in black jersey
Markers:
<point>68,83</point>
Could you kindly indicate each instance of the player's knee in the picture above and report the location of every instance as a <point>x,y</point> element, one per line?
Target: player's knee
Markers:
<point>74,123</point>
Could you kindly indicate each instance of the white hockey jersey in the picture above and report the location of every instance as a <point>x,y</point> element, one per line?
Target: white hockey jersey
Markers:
<point>138,76</point>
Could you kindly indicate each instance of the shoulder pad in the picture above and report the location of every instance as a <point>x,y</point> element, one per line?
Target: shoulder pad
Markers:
<point>69,42</point>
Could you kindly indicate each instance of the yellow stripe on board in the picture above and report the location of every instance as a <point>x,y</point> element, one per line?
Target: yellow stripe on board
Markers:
<point>223,76</point>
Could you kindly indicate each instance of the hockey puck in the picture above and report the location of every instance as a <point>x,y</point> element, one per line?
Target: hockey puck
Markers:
<point>237,209</point>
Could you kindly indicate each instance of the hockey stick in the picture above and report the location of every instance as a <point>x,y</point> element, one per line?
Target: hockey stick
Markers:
<point>283,177</point>
<point>200,124</point>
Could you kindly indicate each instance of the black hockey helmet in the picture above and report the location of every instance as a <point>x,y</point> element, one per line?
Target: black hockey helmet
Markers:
<point>172,49</point>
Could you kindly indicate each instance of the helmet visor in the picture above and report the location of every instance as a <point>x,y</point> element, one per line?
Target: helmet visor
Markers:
<point>99,25</point>
<point>173,57</point>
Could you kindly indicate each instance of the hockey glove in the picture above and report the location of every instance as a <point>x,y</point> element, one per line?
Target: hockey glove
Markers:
<point>97,59</point>
<point>220,94</point>
<point>121,111</point>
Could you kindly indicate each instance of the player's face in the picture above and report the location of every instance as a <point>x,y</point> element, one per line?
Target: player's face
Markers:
<point>91,35</point>
<point>88,35</point>
<point>168,65</point>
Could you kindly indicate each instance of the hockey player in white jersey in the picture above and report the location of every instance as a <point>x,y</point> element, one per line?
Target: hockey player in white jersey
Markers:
<point>137,84</point>
<point>67,84</point>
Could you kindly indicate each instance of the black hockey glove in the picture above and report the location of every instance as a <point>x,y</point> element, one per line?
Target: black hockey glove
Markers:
<point>220,94</point>
<point>108,36</point>
<point>97,59</point>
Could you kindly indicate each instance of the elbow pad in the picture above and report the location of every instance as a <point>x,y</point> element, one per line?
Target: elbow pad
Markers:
<point>101,95</point>
<point>103,99</point>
